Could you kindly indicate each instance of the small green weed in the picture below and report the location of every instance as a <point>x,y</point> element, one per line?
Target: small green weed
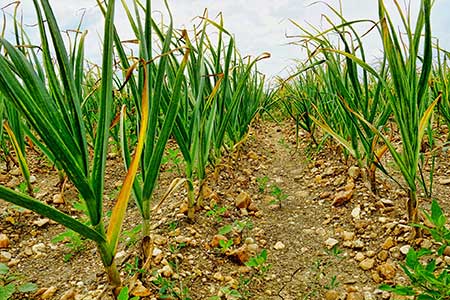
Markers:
<point>9,286</point>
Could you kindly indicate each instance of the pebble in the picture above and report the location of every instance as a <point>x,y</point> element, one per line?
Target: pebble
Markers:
<point>367,264</point>
<point>354,172</point>
<point>404,249</point>
<point>4,241</point>
<point>243,200</point>
<point>359,256</point>
<point>32,179</point>
<point>356,213</point>
<point>5,256</point>
<point>41,222</point>
<point>383,255</point>
<point>355,296</point>
<point>331,295</point>
<point>58,199</point>
<point>69,295</point>
<point>49,293</point>
<point>156,252</point>
<point>330,243</point>
<point>348,236</point>
<point>388,243</point>
<point>444,181</point>
<point>386,270</point>
<point>279,246</point>
<point>38,249</point>
<point>167,271</point>
<point>218,276</point>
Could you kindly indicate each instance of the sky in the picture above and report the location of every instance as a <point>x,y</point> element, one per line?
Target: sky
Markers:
<point>258,25</point>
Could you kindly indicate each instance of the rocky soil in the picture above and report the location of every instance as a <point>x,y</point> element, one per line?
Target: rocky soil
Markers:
<point>281,221</point>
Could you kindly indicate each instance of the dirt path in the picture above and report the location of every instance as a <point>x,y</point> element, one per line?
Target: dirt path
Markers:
<point>315,250</point>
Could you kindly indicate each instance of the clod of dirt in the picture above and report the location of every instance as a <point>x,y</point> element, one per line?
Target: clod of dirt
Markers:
<point>243,200</point>
<point>4,241</point>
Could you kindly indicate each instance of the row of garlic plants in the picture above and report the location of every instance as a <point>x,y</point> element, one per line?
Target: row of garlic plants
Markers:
<point>365,106</point>
<point>182,84</point>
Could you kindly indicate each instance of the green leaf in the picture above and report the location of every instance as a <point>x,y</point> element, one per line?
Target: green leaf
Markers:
<point>437,216</point>
<point>27,287</point>
<point>7,291</point>
<point>3,269</point>
<point>225,229</point>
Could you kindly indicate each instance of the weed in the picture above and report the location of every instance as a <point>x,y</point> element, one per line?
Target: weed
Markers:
<point>278,193</point>
<point>225,245</point>
<point>217,213</point>
<point>259,262</point>
<point>131,237</point>
<point>123,295</point>
<point>262,183</point>
<point>169,289</point>
<point>134,268</point>
<point>9,286</point>
<point>73,241</point>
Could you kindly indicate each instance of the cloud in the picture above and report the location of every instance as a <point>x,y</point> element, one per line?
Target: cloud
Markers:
<point>258,25</point>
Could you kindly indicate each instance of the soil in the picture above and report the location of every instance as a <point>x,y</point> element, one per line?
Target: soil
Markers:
<point>315,250</point>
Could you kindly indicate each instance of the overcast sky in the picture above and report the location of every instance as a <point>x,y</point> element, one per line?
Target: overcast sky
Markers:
<point>258,25</point>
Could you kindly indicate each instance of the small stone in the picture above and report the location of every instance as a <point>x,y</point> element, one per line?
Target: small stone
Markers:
<point>252,207</point>
<point>330,243</point>
<point>354,172</point>
<point>38,249</point>
<point>383,255</point>
<point>369,296</point>
<point>156,252</point>
<point>49,293</point>
<point>140,290</point>
<point>367,264</point>
<point>69,295</point>
<point>242,254</point>
<point>342,197</point>
<point>370,253</point>
<point>426,244</point>
<point>4,241</point>
<point>243,200</point>
<point>359,256</point>
<point>387,202</point>
<point>184,207</point>
<point>218,276</point>
<point>58,199</point>
<point>355,296</point>
<point>404,249</point>
<point>386,270</point>
<point>358,244</point>
<point>32,179</point>
<point>388,244</point>
<point>376,277</point>
<point>279,246</point>
<point>356,212</point>
<point>5,256</point>
<point>444,181</point>
<point>166,271</point>
<point>348,236</point>
<point>331,295</point>
<point>41,222</point>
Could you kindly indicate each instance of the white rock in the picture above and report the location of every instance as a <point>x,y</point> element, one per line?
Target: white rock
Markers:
<point>156,252</point>
<point>32,179</point>
<point>279,246</point>
<point>356,212</point>
<point>38,248</point>
<point>330,243</point>
<point>404,249</point>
